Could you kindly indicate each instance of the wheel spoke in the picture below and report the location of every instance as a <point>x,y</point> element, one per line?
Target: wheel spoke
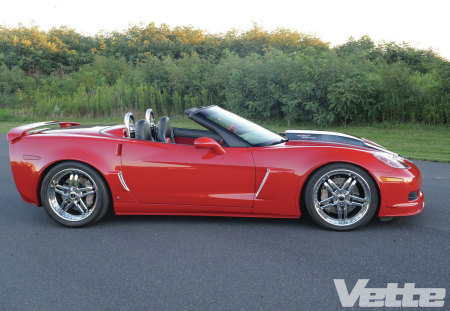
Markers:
<point>345,211</point>
<point>351,186</point>
<point>355,198</point>
<point>61,187</point>
<point>61,192</point>
<point>75,181</point>
<point>85,189</point>
<point>332,184</point>
<point>71,179</point>
<point>79,208</point>
<point>83,205</point>
<point>339,211</point>
<point>328,187</point>
<point>87,193</point>
<point>347,183</point>
<point>356,204</point>
<point>326,206</point>
<point>65,207</point>
<point>325,201</point>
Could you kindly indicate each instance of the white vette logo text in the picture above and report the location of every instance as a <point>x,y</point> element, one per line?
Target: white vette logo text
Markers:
<point>391,296</point>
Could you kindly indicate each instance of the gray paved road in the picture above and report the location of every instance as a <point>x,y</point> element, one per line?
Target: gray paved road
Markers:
<point>204,263</point>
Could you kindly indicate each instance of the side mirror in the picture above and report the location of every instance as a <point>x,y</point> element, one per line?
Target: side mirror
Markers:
<point>209,143</point>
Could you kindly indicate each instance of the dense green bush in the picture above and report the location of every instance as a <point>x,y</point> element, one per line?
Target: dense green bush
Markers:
<point>279,75</point>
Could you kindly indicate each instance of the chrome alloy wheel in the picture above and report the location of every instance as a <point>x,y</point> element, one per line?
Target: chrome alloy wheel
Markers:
<point>72,194</point>
<point>341,197</point>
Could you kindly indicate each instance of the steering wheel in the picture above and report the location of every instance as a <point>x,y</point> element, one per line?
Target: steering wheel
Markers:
<point>130,124</point>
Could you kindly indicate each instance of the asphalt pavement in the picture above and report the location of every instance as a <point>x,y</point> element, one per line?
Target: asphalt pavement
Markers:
<point>207,263</point>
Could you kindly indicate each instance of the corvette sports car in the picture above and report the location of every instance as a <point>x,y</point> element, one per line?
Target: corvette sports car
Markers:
<point>231,167</point>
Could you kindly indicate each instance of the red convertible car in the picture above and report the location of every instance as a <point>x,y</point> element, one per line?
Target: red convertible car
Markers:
<point>232,167</point>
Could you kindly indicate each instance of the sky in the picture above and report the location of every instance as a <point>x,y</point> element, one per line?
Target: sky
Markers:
<point>422,24</point>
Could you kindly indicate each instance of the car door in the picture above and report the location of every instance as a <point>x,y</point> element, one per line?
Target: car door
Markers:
<point>175,174</point>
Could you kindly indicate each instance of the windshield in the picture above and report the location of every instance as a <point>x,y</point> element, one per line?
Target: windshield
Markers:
<point>250,132</point>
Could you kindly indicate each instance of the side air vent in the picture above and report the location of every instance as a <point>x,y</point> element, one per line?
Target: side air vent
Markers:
<point>412,196</point>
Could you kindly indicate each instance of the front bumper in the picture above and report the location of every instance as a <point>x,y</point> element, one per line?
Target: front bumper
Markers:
<point>394,194</point>
<point>404,209</point>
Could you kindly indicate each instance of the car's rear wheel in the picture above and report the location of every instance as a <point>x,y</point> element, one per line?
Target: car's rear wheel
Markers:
<point>74,194</point>
<point>341,196</point>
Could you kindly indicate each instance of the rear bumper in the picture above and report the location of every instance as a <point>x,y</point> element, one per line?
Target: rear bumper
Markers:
<point>25,173</point>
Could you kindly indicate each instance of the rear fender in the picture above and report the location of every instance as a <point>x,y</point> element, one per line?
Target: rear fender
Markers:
<point>37,153</point>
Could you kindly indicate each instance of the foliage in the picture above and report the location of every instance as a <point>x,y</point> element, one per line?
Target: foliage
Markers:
<point>265,75</point>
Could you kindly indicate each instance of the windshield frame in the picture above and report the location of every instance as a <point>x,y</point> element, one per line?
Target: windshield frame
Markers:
<point>200,115</point>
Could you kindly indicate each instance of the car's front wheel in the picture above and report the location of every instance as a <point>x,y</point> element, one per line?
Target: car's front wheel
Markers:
<point>341,196</point>
<point>74,194</point>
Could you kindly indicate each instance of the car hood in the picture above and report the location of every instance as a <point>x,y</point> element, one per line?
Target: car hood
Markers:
<point>332,137</point>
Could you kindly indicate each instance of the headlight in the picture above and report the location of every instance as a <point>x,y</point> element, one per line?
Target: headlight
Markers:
<point>392,160</point>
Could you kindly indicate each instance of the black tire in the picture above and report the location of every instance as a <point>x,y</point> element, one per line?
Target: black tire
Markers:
<point>86,178</point>
<point>333,217</point>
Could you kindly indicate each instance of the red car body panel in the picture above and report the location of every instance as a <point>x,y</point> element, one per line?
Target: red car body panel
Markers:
<point>179,179</point>
<point>159,173</point>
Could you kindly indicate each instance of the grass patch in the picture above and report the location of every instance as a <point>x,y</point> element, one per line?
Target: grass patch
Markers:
<point>422,143</point>
<point>414,141</point>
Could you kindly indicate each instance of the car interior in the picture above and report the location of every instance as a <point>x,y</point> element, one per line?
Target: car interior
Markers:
<point>146,129</point>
